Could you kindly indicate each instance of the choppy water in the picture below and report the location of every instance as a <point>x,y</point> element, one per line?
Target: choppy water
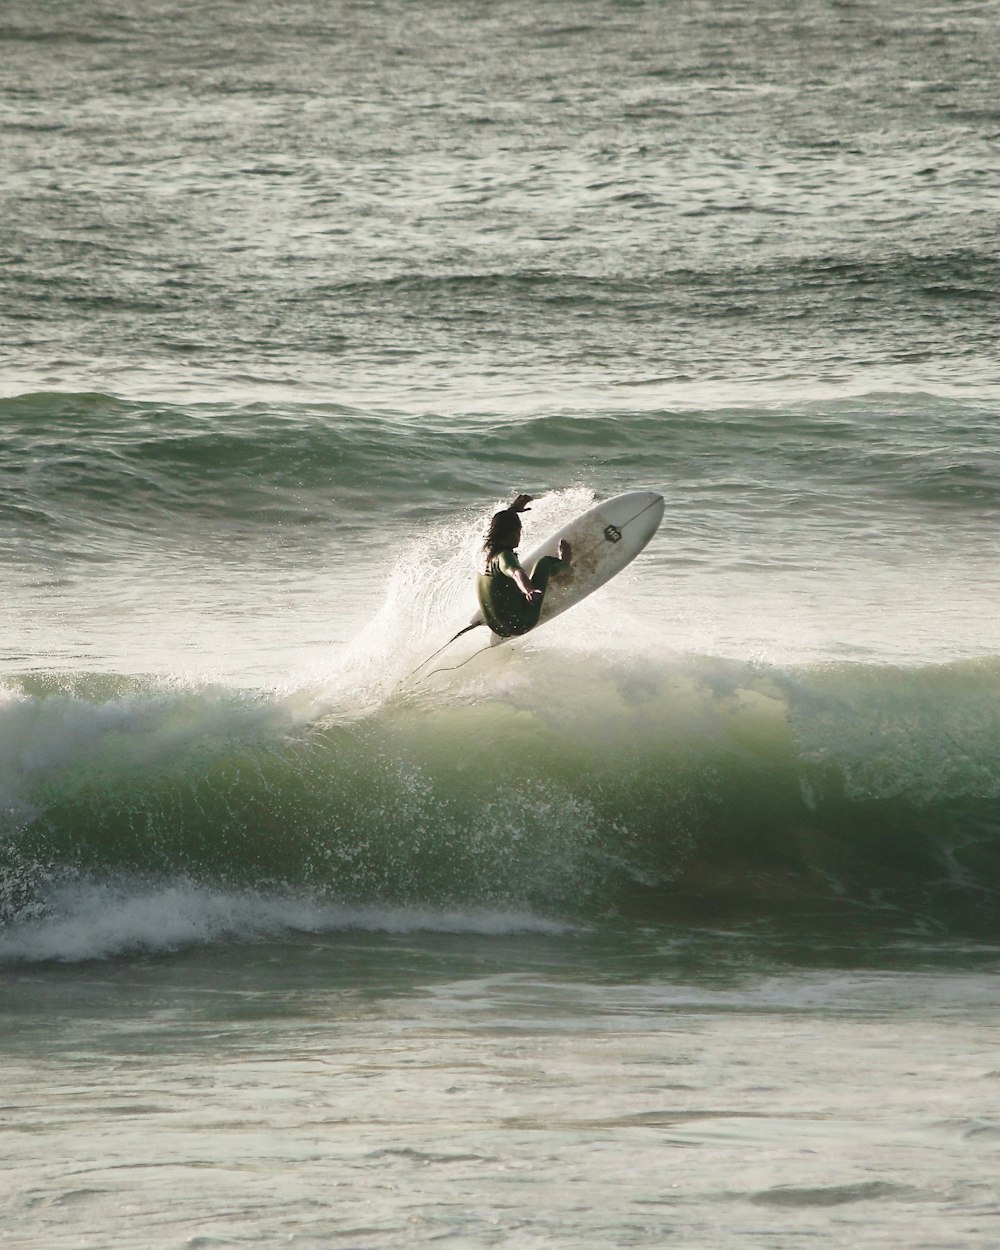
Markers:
<point>674,923</point>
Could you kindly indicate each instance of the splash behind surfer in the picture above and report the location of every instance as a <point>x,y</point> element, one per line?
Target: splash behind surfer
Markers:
<point>511,599</point>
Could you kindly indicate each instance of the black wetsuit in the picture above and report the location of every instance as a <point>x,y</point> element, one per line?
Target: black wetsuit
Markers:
<point>505,609</point>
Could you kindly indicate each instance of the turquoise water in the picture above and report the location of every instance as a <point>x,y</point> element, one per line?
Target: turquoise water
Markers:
<point>674,923</point>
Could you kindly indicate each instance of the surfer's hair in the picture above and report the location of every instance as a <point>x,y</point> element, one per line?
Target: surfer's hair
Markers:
<point>504,532</point>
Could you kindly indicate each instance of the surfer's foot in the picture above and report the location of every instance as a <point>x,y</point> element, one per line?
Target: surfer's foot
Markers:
<point>565,551</point>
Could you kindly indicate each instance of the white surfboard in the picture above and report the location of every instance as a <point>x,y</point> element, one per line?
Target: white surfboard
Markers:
<point>604,539</point>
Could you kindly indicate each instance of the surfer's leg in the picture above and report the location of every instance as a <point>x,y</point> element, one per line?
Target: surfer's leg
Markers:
<point>547,566</point>
<point>521,615</point>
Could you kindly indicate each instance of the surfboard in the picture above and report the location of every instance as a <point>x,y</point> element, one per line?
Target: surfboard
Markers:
<point>605,539</point>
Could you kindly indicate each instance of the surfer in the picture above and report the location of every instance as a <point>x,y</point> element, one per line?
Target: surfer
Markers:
<point>511,599</point>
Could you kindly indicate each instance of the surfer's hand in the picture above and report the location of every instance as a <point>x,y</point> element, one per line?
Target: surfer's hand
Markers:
<point>525,587</point>
<point>520,504</point>
<point>565,551</point>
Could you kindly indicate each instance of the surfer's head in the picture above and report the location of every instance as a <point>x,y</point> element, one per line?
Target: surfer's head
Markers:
<point>504,532</point>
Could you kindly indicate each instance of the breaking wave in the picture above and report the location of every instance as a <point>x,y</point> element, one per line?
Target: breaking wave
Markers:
<point>524,784</point>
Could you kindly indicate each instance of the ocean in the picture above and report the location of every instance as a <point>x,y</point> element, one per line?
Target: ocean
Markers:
<point>676,922</point>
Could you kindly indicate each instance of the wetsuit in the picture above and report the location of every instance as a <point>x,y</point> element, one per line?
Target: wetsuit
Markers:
<point>505,609</point>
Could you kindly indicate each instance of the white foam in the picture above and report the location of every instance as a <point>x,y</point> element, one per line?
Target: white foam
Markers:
<point>92,920</point>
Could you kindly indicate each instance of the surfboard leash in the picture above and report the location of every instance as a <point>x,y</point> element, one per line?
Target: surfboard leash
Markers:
<point>443,647</point>
<point>453,668</point>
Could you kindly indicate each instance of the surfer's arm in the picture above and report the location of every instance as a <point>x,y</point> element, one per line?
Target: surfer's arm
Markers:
<point>509,565</point>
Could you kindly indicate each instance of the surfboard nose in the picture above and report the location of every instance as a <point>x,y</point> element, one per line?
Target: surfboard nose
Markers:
<point>649,508</point>
<point>656,512</point>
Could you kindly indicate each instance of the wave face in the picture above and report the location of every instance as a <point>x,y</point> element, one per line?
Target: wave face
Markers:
<point>675,789</point>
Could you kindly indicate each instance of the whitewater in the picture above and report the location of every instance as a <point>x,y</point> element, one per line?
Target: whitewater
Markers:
<point>672,923</point>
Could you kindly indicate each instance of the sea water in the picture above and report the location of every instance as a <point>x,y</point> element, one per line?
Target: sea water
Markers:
<point>675,923</point>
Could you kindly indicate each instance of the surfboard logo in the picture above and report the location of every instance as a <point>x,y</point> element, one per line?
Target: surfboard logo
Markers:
<point>612,533</point>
